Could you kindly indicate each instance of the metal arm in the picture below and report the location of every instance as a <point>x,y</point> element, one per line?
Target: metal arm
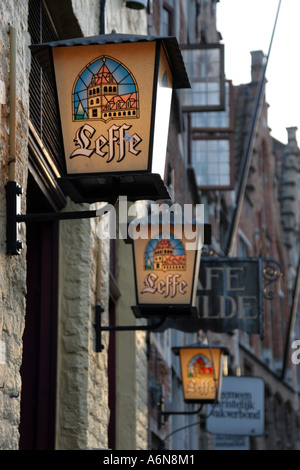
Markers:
<point>162,413</point>
<point>13,192</point>
<point>99,328</point>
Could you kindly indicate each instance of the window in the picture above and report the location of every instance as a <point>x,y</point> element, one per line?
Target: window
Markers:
<point>205,68</point>
<point>214,119</point>
<point>211,145</point>
<point>211,161</point>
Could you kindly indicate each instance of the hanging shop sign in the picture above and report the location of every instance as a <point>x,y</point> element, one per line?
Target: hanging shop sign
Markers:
<point>166,262</point>
<point>231,292</point>
<point>201,371</point>
<point>114,97</point>
<point>230,295</point>
<point>241,409</point>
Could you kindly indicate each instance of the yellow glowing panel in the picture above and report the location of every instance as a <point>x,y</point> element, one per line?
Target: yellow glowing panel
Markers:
<point>200,369</point>
<point>105,99</point>
<point>165,262</point>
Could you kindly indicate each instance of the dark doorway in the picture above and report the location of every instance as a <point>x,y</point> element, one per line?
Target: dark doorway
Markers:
<point>38,371</point>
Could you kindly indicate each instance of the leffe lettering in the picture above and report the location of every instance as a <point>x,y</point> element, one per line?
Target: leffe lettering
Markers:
<point>117,136</point>
<point>204,387</point>
<point>170,287</point>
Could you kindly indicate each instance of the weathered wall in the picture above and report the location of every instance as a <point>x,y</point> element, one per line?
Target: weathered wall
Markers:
<point>82,401</point>
<point>124,20</point>
<point>12,268</point>
<point>82,397</point>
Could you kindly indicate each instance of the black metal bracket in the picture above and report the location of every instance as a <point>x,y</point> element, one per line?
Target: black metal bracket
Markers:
<point>164,414</point>
<point>99,328</point>
<point>271,272</point>
<point>13,193</point>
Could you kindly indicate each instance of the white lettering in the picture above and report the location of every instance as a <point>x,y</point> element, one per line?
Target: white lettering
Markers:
<point>296,354</point>
<point>169,288</point>
<point>117,136</point>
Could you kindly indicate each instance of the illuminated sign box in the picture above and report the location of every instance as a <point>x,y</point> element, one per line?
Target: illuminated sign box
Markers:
<point>201,372</point>
<point>114,96</point>
<point>166,263</point>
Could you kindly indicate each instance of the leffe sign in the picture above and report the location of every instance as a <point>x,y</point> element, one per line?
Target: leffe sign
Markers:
<point>166,267</point>
<point>105,96</point>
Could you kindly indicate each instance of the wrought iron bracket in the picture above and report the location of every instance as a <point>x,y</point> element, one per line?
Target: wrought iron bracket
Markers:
<point>164,414</point>
<point>271,272</point>
<point>99,328</point>
<point>13,218</point>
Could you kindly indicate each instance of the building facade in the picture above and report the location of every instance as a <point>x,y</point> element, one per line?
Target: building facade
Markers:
<point>57,389</point>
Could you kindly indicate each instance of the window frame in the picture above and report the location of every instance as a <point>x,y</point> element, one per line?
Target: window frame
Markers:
<point>215,133</point>
<point>205,107</point>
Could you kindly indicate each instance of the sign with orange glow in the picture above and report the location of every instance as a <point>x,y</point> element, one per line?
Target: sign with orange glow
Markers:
<point>114,94</point>
<point>167,266</point>
<point>200,370</point>
<point>105,95</point>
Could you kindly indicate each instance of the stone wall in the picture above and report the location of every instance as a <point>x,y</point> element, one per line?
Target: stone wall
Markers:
<point>82,396</point>
<point>12,268</point>
<point>82,401</point>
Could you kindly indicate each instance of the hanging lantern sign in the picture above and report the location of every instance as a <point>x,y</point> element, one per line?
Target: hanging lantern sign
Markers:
<point>114,96</point>
<point>166,262</point>
<point>201,371</point>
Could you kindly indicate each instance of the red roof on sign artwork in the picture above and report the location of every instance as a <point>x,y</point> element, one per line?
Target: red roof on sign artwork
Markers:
<point>122,100</point>
<point>103,76</point>
<point>164,243</point>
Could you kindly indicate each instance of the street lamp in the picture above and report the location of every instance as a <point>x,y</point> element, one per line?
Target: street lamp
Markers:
<point>114,96</point>
<point>202,371</point>
<point>166,251</point>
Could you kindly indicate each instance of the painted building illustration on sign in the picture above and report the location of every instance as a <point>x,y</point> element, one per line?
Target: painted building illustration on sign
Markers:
<point>114,106</point>
<point>166,254</point>
<point>199,365</point>
<point>199,377</point>
<point>104,90</point>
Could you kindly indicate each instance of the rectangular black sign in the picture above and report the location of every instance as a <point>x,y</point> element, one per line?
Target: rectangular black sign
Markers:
<point>230,294</point>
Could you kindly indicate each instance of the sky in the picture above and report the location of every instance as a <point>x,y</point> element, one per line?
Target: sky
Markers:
<point>247,25</point>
